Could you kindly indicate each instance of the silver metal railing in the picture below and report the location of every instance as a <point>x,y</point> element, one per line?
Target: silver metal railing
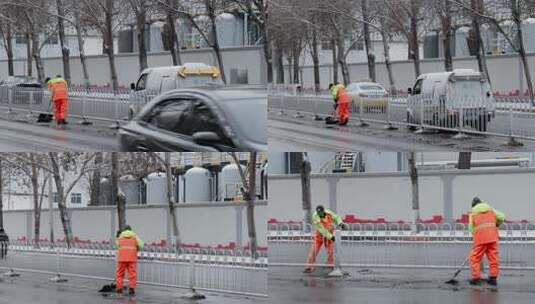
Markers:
<point>232,271</point>
<point>506,116</point>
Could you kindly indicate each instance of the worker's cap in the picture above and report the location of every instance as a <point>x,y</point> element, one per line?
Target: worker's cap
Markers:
<point>331,85</point>
<point>127,227</point>
<point>475,201</point>
<point>320,208</point>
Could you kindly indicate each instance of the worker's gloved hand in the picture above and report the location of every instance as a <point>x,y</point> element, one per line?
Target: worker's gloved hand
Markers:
<point>341,226</point>
<point>332,238</point>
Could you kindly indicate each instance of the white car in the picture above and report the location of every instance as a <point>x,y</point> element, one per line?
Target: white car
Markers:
<point>372,96</point>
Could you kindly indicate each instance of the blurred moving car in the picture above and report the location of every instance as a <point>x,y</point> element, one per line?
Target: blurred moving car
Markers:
<point>157,80</point>
<point>446,98</point>
<point>199,119</point>
<point>21,81</point>
<point>372,96</point>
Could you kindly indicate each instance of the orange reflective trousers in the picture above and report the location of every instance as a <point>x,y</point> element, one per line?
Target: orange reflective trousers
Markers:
<point>319,240</point>
<point>478,251</point>
<point>60,109</point>
<point>129,267</point>
<point>342,111</point>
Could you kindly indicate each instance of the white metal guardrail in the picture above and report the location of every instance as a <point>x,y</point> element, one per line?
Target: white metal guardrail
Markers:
<point>507,116</point>
<point>440,246</point>
<point>87,104</point>
<point>232,271</point>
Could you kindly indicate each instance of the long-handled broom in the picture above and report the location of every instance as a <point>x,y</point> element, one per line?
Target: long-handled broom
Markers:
<point>453,280</point>
<point>337,272</point>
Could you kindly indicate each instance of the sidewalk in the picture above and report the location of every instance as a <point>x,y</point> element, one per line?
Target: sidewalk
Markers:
<point>31,288</point>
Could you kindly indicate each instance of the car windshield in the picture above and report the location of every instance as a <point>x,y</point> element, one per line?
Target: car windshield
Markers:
<point>249,116</point>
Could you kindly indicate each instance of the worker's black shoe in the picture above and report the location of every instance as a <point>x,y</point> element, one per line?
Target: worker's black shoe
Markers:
<point>475,282</point>
<point>64,122</point>
<point>119,290</point>
<point>307,270</point>
<point>493,281</point>
<point>132,292</point>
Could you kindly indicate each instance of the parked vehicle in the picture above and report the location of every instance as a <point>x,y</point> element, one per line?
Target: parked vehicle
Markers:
<point>199,119</point>
<point>30,90</point>
<point>372,96</point>
<point>444,99</point>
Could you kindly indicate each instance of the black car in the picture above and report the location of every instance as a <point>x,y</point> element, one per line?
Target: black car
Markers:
<point>200,119</point>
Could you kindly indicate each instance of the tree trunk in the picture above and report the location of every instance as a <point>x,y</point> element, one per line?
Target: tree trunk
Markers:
<point>477,7</point>
<point>64,49</point>
<point>1,198</point>
<point>305,188</point>
<point>413,41</point>
<point>81,48</point>
<point>29,53</point>
<point>447,32</point>
<point>95,181</point>
<point>267,53</point>
<point>316,61</point>
<point>36,205</point>
<point>9,50</point>
<point>335,61</point>
<point>141,19</point>
<point>174,47</point>
<point>37,57</point>
<point>280,65</point>
<point>342,59</point>
<point>464,160</point>
<point>413,173</point>
<point>515,11</point>
<point>367,41</point>
<point>388,64</point>
<point>250,199</point>
<point>171,201</point>
<point>62,206</point>
<point>296,54</point>
<point>215,43</point>
<point>121,211</point>
<point>109,44</point>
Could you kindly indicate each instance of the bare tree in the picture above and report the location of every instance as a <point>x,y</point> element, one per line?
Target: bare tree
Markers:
<point>65,53</point>
<point>305,187</point>
<point>413,174</point>
<point>141,10</point>
<point>248,190</point>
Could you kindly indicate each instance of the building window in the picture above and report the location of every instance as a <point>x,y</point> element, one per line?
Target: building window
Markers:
<point>52,40</point>
<point>55,197</point>
<point>20,39</point>
<point>76,198</point>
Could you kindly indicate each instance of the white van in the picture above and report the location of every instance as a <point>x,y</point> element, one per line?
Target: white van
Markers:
<point>163,79</point>
<point>157,80</point>
<point>451,97</point>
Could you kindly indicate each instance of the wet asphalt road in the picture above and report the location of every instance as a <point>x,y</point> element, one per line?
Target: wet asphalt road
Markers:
<point>286,133</point>
<point>21,134</point>
<point>31,288</point>
<point>289,285</point>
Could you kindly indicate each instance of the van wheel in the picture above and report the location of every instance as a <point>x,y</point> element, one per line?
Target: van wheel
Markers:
<point>482,123</point>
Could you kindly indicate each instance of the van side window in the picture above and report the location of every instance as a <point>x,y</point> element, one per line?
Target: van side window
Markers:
<point>168,84</point>
<point>417,87</point>
<point>142,82</point>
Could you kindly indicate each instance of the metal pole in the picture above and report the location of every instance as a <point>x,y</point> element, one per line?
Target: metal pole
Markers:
<point>362,123</point>
<point>389,125</point>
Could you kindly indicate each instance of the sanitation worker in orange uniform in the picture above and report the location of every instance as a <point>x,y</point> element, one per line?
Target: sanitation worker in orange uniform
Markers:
<point>324,221</point>
<point>128,244</point>
<point>338,92</point>
<point>483,224</point>
<point>60,97</point>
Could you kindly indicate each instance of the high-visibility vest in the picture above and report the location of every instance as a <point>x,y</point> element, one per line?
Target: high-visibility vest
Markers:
<point>485,230</point>
<point>58,88</point>
<point>127,251</point>
<point>326,223</point>
<point>341,94</point>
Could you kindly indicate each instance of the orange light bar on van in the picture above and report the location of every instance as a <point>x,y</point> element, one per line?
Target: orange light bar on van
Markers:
<point>198,71</point>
